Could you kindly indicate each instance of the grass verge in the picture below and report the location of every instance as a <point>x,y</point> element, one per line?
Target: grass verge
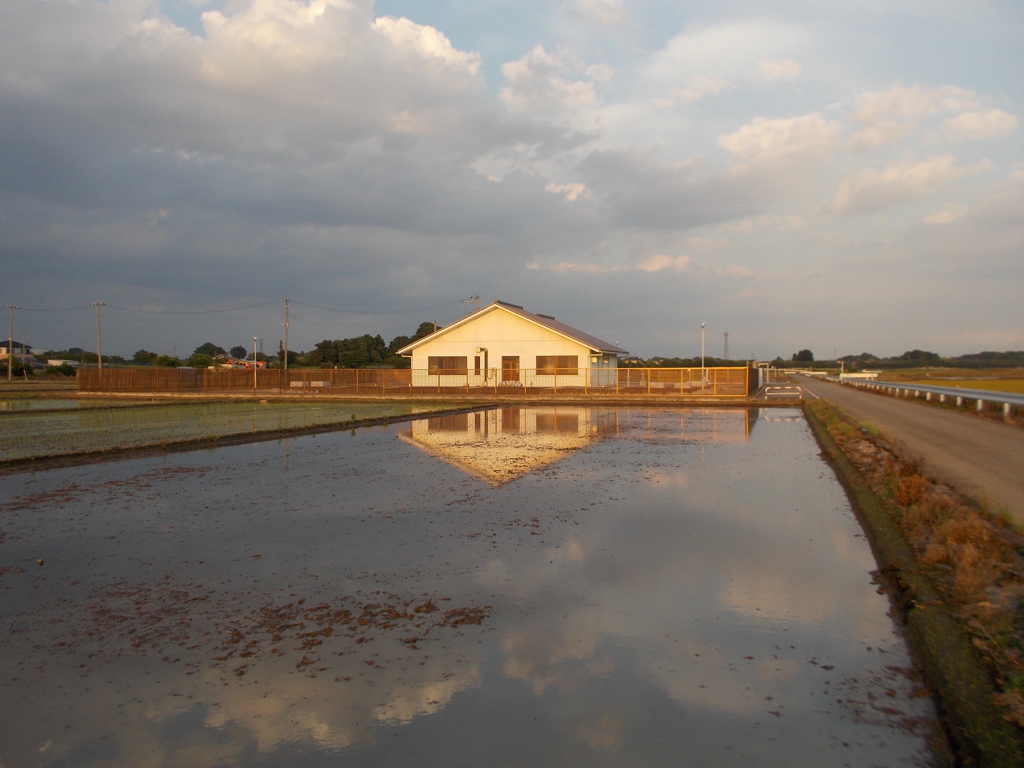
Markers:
<point>956,580</point>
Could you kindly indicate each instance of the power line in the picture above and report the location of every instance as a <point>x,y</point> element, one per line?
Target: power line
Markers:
<point>192,312</point>
<point>377,312</point>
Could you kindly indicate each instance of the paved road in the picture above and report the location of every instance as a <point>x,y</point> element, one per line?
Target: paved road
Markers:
<point>981,458</point>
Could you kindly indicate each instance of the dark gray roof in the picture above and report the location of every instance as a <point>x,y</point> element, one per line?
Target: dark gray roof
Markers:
<point>566,330</point>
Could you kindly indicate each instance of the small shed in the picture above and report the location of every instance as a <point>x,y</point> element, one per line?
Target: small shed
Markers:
<point>503,344</point>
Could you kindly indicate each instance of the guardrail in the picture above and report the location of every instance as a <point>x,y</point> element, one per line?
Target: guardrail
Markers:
<point>982,398</point>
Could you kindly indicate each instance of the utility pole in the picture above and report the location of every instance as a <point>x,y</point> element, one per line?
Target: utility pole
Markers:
<point>285,333</point>
<point>10,340</point>
<point>725,354</point>
<point>99,336</point>
<point>703,374</point>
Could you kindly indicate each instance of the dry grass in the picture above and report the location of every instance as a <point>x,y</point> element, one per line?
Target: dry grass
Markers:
<point>975,560</point>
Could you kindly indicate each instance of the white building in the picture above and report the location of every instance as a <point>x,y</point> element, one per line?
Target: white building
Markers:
<point>503,344</point>
<point>22,352</point>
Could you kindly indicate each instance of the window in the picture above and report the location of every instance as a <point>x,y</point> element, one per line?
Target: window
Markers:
<point>476,365</point>
<point>561,365</point>
<point>456,422</point>
<point>438,366</point>
<point>555,423</point>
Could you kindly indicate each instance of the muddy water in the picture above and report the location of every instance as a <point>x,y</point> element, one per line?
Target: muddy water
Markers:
<point>521,587</point>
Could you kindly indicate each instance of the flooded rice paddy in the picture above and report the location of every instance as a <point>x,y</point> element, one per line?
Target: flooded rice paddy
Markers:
<point>103,425</point>
<point>518,587</point>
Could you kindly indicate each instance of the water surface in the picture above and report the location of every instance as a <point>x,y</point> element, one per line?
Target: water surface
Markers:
<point>519,587</point>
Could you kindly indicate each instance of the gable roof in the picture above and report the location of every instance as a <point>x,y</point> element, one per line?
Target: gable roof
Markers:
<point>545,321</point>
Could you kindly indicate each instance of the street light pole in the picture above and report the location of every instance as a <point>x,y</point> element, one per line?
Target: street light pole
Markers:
<point>254,366</point>
<point>285,333</point>
<point>99,337</point>
<point>703,375</point>
<point>10,340</point>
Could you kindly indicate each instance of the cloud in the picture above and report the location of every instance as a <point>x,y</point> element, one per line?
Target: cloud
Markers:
<point>784,69</point>
<point>570,268</point>
<point>947,216</point>
<point>700,86</point>
<point>766,139</point>
<point>889,116</point>
<point>572,191</point>
<point>971,126</point>
<point>537,85</point>
<point>874,189</point>
<point>661,262</point>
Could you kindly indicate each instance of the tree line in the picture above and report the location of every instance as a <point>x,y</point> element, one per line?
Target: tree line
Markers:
<point>364,351</point>
<point>368,351</point>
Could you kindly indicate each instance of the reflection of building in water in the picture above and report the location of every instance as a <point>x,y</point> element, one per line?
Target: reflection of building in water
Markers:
<point>781,414</point>
<point>708,425</point>
<point>500,445</point>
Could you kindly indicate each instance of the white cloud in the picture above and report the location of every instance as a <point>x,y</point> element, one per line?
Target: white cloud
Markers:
<point>948,215</point>
<point>569,267</point>
<point>970,126</point>
<point>662,262</point>
<point>889,116</point>
<point>765,139</point>
<point>427,43</point>
<point>874,189</point>
<point>700,86</point>
<point>537,84</point>
<point>572,191</point>
<point>784,69</point>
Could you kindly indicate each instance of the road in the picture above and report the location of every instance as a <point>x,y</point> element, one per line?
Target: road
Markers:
<point>981,458</point>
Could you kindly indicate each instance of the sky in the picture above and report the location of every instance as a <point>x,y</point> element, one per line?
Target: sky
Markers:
<point>843,177</point>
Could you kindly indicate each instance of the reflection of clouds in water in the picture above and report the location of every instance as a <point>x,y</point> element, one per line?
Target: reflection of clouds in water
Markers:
<point>606,732</point>
<point>678,480</point>
<point>155,715</point>
<point>408,702</point>
<point>560,653</point>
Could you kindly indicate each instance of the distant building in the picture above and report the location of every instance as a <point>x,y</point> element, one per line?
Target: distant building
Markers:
<point>22,352</point>
<point>502,343</point>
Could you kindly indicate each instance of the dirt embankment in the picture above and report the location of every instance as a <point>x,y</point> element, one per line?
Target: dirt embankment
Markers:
<point>956,579</point>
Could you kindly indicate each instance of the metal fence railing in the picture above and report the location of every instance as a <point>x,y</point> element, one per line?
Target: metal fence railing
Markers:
<point>694,382</point>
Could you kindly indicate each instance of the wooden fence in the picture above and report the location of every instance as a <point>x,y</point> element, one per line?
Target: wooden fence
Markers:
<point>690,382</point>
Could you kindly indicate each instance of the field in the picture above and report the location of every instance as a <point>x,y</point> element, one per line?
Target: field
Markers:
<point>994,380</point>
<point>28,433</point>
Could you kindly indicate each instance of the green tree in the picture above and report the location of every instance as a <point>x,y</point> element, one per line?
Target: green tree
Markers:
<point>166,361</point>
<point>426,328</point>
<point>803,356</point>
<point>920,356</point>
<point>210,349</point>
<point>199,360</point>
<point>145,356</point>
<point>238,352</point>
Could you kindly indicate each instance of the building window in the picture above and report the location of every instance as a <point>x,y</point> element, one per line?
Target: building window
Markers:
<point>561,365</point>
<point>476,365</point>
<point>555,423</point>
<point>446,366</point>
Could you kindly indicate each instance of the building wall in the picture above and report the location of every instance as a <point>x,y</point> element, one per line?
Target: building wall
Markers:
<point>503,334</point>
